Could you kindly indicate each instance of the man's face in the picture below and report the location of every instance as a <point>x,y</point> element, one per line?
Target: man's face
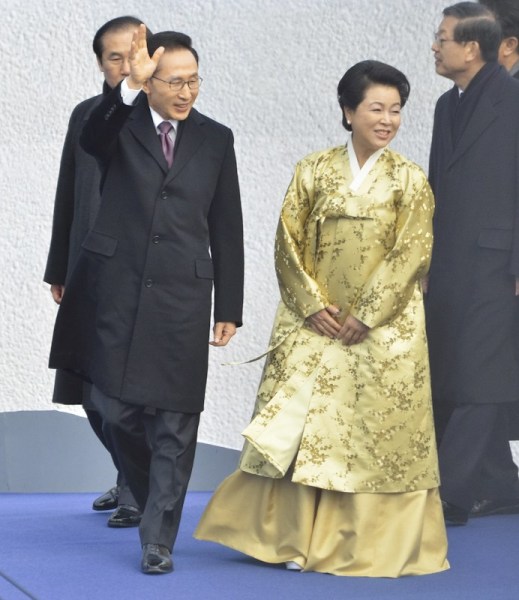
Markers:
<point>114,63</point>
<point>174,66</point>
<point>449,56</point>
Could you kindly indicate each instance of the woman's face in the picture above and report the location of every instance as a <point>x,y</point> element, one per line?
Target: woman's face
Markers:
<point>376,119</point>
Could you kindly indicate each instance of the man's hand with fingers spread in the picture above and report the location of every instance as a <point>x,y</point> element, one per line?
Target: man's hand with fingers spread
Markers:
<point>142,66</point>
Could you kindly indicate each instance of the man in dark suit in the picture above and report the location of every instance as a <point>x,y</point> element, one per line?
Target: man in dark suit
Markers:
<point>507,13</point>
<point>75,207</point>
<point>472,304</point>
<point>169,225</point>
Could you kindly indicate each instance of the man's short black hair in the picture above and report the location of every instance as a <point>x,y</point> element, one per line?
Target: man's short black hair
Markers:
<point>507,13</point>
<point>116,24</point>
<point>478,24</point>
<point>171,40</point>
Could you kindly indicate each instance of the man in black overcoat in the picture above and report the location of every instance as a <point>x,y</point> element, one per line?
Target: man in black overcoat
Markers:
<point>507,13</point>
<point>169,226</point>
<point>75,207</point>
<point>472,304</point>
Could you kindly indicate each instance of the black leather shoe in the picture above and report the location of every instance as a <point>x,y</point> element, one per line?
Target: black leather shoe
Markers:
<point>107,501</point>
<point>125,516</point>
<point>156,559</point>
<point>454,515</point>
<point>485,508</point>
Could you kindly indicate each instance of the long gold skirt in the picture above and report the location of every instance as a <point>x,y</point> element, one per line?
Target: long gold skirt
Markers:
<point>370,535</point>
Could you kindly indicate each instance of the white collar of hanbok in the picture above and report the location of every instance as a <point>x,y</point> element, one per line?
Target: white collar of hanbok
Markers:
<point>360,174</point>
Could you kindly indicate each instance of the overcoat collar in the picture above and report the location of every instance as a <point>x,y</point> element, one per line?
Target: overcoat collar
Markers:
<point>484,113</point>
<point>142,128</point>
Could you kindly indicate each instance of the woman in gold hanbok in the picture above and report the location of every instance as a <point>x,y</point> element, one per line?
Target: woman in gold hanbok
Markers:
<point>339,471</point>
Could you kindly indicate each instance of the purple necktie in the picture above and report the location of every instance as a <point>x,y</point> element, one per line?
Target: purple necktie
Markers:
<point>167,145</point>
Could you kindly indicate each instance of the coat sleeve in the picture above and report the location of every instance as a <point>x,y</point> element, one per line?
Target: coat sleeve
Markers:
<point>100,133</point>
<point>299,290</point>
<point>392,283</point>
<point>432,155</point>
<point>226,240</point>
<point>435,146</point>
<point>57,260</point>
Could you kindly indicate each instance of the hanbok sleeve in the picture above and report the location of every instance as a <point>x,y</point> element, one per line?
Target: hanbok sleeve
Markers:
<point>299,290</point>
<point>392,283</point>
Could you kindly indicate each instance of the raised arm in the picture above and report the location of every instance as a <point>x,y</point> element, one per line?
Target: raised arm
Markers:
<point>99,136</point>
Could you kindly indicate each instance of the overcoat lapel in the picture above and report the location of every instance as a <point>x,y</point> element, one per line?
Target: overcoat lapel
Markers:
<point>483,116</point>
<point>142,128</point>
<point>192,136</point>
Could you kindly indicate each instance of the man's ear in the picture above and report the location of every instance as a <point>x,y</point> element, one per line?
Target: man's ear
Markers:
<point>510,46</point>
<point>472,51</point>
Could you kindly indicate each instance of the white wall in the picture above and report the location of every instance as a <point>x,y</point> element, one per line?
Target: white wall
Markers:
<point>270,71</point>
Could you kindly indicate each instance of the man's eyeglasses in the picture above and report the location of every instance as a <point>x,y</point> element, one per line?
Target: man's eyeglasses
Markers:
<point>175,85</point>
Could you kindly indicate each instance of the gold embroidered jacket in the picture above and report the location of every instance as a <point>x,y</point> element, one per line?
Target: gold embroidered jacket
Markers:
<point>359,418</point>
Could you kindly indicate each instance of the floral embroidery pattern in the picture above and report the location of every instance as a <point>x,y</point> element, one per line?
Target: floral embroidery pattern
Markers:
<point>359,418</point>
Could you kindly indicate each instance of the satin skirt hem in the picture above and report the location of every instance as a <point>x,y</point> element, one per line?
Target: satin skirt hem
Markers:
<point>364,535</point>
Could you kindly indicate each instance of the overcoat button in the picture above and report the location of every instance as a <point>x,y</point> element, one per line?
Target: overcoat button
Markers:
<point>148,283</point>
<point>155,239</point>
<point>164,195</point>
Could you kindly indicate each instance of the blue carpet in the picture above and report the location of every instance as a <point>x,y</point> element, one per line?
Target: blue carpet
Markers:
<point>53,547</point>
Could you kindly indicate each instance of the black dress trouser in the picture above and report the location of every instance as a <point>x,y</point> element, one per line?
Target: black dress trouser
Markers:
<point>157,467</point>
<point>69,388</point>
<point>474,454</point>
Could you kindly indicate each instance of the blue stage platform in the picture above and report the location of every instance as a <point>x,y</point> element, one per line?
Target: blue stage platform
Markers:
<point>53,547</point>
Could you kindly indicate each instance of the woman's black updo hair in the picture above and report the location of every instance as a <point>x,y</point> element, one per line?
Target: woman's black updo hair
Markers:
<point>354,83</point>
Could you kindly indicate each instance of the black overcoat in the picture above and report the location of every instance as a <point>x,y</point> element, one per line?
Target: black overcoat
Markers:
<point>75,208</point>
<point>471,307</point>
<point>135,316</point>
<point>77,198</point>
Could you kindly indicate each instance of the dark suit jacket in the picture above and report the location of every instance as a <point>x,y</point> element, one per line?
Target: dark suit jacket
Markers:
<point>471,308</point>
<point>136,314</point>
